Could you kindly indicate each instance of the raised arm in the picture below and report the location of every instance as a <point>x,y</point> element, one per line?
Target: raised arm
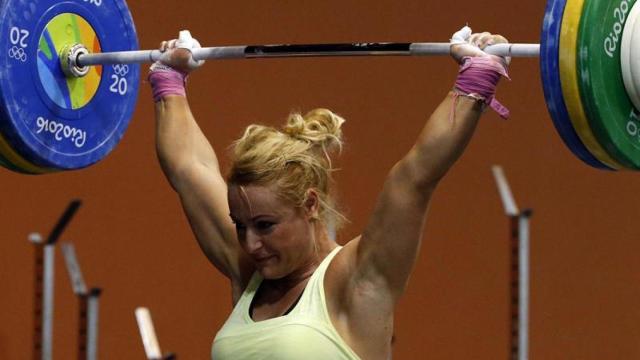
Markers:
<point>191,166</point>
<point>387,251</point>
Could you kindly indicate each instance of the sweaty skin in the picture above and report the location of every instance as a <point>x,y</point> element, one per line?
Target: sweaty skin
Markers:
<point>286,243</point>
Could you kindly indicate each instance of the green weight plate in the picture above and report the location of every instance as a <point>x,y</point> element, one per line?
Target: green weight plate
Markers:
<point>611,115</point>
<point>569,81</point>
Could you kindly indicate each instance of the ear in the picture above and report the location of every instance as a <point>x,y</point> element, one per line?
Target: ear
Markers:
<point>312,204</point>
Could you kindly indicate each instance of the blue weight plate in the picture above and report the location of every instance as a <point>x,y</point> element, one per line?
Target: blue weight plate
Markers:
<point>549,69</point>
<point>51,120</point>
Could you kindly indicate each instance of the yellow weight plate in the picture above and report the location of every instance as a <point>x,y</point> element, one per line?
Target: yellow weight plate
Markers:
<point>569,80</point>
<point>15,159</point>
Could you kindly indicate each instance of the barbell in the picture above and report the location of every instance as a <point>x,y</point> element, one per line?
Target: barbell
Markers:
<point>70,75</point>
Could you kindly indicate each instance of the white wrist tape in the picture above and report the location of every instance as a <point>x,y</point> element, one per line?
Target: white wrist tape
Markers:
<point>461,36</point>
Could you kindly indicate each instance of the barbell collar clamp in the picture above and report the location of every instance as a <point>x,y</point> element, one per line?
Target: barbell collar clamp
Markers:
<point>69,60</point>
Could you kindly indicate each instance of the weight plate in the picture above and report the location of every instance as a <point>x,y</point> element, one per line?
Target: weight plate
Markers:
<point>569,81</point>
<point>611,115</point>
<point>549,43</point>
<point>16,162</point>
<point>11,160</point>
<point>634,61</point>
<point>7,164</point>
<point>52,121</point>
<point>626,58</point>
<point>67,92</point>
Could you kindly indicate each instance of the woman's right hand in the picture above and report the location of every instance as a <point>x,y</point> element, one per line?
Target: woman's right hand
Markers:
<point>168,75</point>
<point>177,53</point>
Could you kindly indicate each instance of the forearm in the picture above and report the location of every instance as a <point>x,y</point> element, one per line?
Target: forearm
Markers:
<point>391,241</point>
<point>442,140</point>
<point>180,144</point>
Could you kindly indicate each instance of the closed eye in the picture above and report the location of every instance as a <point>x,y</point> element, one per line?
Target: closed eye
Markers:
<point>239,226</point>
<point>264,226</point>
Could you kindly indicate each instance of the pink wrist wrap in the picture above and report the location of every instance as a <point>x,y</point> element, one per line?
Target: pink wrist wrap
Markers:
<point>165,81</point>
<point>478,77</point>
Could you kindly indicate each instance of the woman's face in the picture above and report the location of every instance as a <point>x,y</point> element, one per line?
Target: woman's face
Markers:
<point>277,235</point>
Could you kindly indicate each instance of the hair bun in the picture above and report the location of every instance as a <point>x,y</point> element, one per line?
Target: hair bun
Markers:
<point>293,159</point>
<point>318,126</point>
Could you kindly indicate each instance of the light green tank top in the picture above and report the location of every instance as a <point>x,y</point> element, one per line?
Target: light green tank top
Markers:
<point>305,332</point>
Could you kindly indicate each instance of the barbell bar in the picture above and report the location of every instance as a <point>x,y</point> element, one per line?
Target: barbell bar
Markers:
<point>301,50</point>
<point>52,121</point>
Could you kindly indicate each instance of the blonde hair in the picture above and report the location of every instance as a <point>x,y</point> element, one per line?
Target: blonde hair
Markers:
<point>292,160</point>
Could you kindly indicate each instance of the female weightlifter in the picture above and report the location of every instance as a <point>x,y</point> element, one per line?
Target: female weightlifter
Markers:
<point>297,294</point>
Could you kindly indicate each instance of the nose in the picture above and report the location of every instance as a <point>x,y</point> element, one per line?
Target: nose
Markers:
<point>253,242</point>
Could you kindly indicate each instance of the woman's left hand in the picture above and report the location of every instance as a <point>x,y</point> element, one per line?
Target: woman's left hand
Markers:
<point>464,43</point>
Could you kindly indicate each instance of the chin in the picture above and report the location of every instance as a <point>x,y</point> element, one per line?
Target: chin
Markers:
<point>271,269</point>
<point>271,272</point>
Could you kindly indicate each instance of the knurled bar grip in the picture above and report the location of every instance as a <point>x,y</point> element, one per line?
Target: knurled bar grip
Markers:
<point>311,50</point>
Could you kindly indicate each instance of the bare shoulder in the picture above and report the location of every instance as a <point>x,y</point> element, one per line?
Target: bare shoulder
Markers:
<point>360,309</point>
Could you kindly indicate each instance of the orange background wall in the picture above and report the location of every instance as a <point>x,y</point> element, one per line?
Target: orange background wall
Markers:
<point>133,240</point>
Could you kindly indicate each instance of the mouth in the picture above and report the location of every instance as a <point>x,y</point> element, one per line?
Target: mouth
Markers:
<point>263,260</point>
